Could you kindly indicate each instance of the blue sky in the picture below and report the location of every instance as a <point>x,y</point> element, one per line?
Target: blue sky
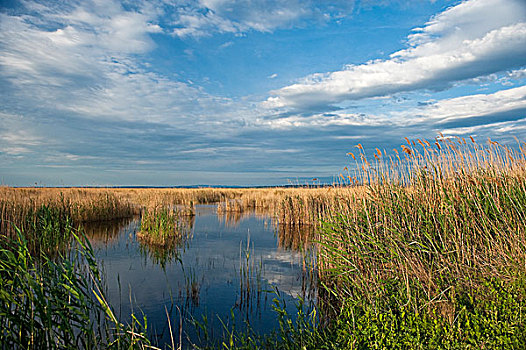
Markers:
<point>245,92</point>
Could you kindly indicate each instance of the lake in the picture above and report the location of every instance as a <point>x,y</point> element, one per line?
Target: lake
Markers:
<point>225,266</point>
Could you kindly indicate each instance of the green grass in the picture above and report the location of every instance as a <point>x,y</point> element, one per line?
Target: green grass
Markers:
<point>162,232</point>
<point>161,227</point>
<point>439,262</point>
<point>56,302</point>
<point>491,317</point>
<point>48,230</point>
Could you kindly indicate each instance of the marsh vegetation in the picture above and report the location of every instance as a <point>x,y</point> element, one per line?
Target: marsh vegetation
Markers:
<point>422,247</point>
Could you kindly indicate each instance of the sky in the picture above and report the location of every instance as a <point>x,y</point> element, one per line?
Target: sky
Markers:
<point>246,92</point>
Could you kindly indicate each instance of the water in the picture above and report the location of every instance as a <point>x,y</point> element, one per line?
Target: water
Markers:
<point>232,265</point>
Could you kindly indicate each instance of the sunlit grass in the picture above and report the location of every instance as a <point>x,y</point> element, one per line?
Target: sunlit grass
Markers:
<point>433,254</point>
<point>427,249</point>
<point>162,227</point>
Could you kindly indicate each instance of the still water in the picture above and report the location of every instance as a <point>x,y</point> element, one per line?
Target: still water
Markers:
<point>226,266</point>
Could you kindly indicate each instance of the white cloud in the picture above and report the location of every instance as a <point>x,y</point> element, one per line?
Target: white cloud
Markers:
<point>512,77</point>
<point>227,44</point>
<point>432,114</point>
<point>205,17</point>
<point>492,128</point>
<point>472,39</point>
<point>464,107</point>
<point>86,59</point>
<point>320,120</point>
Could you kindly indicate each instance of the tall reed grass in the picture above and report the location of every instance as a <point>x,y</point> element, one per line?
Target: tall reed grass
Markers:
<point>21,207</point>
<point>435,252</point>
<point>163,232</point>
<point>58,302</point>
<point>163,227</point>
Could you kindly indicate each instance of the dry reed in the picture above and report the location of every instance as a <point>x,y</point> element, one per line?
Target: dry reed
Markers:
<point>435,221</point>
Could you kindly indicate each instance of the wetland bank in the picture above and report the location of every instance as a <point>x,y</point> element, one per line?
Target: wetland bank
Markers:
<point>423,248</point>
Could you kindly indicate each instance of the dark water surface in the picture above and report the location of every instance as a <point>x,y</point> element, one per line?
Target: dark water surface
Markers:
<point>232,264</point>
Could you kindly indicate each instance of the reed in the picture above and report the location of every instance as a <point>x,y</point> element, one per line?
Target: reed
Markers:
<point>291,206</point>
<point>18,205</point>
<point>436,244</point>
<point>162,227</point>
<point>57,302</point>
<point>164,247</point>
<point>296,238</point>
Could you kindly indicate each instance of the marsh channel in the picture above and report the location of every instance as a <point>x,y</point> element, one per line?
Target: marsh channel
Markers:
<point>227,272</point>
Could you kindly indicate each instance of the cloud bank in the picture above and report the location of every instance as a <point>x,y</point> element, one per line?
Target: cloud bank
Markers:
<point>89,60</point>
<point>458,44</point>
<point>435,114</point>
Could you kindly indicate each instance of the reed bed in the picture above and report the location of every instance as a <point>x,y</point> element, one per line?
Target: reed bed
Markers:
<point>294,207</point>
<point>302,206</point>
<point>20,207</point>
<point>99,204</point>
<point>434,253</point>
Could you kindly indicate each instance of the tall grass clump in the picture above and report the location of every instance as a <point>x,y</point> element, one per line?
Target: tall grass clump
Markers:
<point>161,244</point>
<point>433,255</point>
<point>162,227</point>
<point>57,302</point>
<point>48,230</point>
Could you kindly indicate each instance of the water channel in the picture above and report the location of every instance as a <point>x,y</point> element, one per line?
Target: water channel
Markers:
<point>227,266</point>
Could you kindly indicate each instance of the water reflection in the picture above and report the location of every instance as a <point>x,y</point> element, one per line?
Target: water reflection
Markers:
<point>233,218</point>
<point>102,233</point>
<point>295,237</point>
<point>224,266</point>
